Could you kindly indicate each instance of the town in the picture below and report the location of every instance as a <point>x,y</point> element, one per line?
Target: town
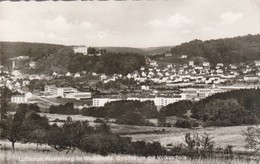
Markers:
<point>162,83</point>
<point>130,82</point>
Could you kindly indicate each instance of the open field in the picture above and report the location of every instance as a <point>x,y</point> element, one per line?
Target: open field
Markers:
<point>221,135</point>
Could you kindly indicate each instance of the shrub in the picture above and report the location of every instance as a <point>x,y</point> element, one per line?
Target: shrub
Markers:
<point>98,120</point>
<point>183,124</point>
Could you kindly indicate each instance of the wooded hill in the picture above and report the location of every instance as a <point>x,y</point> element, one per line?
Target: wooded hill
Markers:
<point>227,50</point>
<point>33,50</point>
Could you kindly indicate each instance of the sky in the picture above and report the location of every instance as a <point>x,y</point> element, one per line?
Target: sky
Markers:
<point>127,23</point>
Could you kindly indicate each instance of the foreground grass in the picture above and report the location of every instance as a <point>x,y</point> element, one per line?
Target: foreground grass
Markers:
<point>27,153</point>
<point>34,157</point>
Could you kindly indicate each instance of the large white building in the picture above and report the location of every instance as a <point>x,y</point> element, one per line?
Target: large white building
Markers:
<point>158,101</point>
<point>200,93</point>
<point>20,99</point>
<point>78,95</point>
<point>65,92</point>
<point>81,49</point>
<point>62,91</point>
<point>99,102</point>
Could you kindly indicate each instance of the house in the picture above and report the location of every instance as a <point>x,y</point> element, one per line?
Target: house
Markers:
<point>257,63</point>
<point>68,74</point>
<point>153,64</point>
<point>220,64</point>
<point>191,63</point>
<point>103,77</point>
<point>77,75</point>
<point>183,56</point>
<point>251,78</point>
<point>167,54</point>
<point>25,82</point>
<point>145,87</point>
<point>219,71</point>
<point>32,64</point>
<point>232,66</point>
<point>19,99</point>
<point>206,64</point>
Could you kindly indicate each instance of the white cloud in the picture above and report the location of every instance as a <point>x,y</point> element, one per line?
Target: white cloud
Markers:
<point>59,24</point>
<point>102,34</point>
<point>85,24</point>
<point>176,20</point>
<point>186,31</point>
<point>154,23</point>
<point>230,17</point>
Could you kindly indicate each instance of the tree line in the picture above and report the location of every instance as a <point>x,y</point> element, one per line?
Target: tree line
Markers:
<point>229,108</point>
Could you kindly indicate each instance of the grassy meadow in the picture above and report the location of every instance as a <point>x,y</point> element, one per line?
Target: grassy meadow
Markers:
<point>222,136</point>
<point>44,155</point>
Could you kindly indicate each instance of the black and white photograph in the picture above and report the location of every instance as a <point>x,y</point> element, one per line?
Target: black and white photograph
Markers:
<point>130,81</point>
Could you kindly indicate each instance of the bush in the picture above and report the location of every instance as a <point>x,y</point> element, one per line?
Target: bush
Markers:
<point>195,146</point>
<point>67,108</point>
<point>133,118</point>
<point>183,124</point>
<point>177,109</point>
<point>98,120</point>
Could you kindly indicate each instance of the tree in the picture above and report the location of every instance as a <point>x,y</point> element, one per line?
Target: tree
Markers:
<point>252,138</point>
<point>177,109</point>
<point>3,108</point>
<point>74,131</point>
<point>35,128</point>
<point>161,119</point>
<point>12,129</point>
<point>183,123</point>
<point>199,145</point>
<point>56,138</point>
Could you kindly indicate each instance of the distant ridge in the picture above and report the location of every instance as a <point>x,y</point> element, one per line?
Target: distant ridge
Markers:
<point>227,50</point>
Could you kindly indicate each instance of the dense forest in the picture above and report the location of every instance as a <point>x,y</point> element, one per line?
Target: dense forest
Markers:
<point>229,108</point>
<point>66,61</point>
<point>125,112</point>
<point>33,50</point>
<point>227,50</point>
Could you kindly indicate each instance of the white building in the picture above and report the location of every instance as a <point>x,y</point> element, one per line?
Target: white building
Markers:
<point>145,87</point>
<point>18,99</point>
<point>32,64</point>
<point>206,64</point>
<point>257,62</point>
<point>200,93</point>
<point>99,102</point>
<point>62,91</point>
<point>78,95</point>
<point>251,78</point>
<point>50,90</point>
<point>191,63</point>
<point>158,101</point>
<point>80,49</point>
